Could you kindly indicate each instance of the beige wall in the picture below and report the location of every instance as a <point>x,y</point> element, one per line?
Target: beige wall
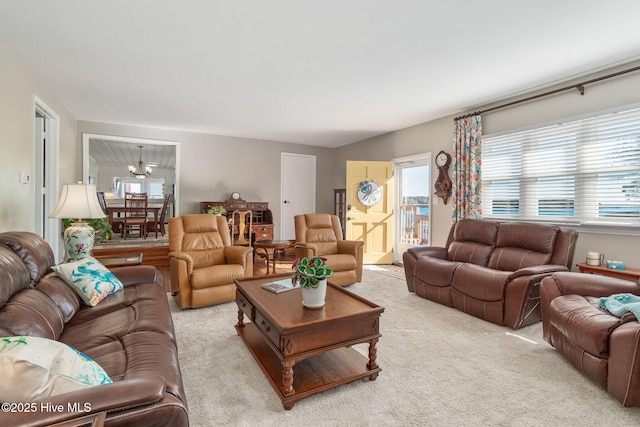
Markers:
<point>437,135</point>
<point>211,167</point>
<point>19,85</point>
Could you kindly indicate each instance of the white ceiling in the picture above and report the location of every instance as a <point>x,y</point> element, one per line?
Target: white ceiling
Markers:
<point>317,72</point>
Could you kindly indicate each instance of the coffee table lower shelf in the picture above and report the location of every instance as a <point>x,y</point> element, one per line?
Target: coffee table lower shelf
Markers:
<point>312,375</point>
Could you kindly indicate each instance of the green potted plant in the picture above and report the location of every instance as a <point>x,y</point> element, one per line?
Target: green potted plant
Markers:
<point>217,210</point>
<point>100,225</point>
<point>311,275</point>
<point>307,272</point>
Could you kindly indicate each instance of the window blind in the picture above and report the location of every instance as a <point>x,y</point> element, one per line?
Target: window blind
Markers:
<point>584,172</point>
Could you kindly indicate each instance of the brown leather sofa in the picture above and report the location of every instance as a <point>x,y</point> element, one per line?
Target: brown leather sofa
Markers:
<point>130,334</point>
<point>489,269</point>
<point>320,234</point>
<point>605,348</point>
<point>202,261</point>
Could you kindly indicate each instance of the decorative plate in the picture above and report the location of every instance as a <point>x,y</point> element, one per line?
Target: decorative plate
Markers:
<point>369,193</point>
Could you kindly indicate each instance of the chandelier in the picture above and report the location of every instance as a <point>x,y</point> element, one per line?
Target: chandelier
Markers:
<point>142,171</point>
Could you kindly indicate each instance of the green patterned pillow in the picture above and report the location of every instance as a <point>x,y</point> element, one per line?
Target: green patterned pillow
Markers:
<point>89,278</point>
<point>34,368</point>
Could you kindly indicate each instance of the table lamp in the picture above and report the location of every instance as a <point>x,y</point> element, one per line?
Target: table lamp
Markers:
<point>78,201</point>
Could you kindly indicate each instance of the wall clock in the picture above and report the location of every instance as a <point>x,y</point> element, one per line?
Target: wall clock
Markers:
<point>369,193</point>
<point>443,183</point>
<point>235,195</point>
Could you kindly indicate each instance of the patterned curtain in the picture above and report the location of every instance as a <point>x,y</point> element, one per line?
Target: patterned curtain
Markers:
<point>467,183</point>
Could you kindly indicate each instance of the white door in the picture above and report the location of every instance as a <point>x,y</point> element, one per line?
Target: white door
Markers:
<point>298,190</point>
<point>413,203</point>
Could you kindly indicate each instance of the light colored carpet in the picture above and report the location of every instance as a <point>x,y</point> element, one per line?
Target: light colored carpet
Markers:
<point>440,367</point>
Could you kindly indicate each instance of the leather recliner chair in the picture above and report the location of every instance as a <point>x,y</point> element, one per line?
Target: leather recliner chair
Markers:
<point>203,262</point>
<point>321,235</point>
<point>603,347</point>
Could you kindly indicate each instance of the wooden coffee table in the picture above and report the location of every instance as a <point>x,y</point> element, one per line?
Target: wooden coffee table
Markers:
<point>284,337</point>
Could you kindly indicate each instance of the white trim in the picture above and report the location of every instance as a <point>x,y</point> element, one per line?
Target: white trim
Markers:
<point>86,137</point>
<point>52,233</point>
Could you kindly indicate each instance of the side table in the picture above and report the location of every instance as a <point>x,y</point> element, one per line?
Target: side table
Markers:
<point>629,273</point>
<point>272,245</point>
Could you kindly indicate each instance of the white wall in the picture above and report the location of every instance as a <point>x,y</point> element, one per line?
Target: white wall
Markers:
<point>437,135</point>
<point>19,85</point>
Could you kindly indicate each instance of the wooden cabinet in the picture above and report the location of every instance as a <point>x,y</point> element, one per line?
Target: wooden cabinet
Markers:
<point>262,228</point>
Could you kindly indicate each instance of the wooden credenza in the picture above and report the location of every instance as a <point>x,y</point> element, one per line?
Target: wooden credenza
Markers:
<point>262,228</point>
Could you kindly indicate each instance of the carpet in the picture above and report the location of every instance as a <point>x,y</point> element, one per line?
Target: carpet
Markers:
<point>440,367</point>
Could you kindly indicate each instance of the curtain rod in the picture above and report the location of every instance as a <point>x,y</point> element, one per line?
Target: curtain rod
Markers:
<point>578,86</point>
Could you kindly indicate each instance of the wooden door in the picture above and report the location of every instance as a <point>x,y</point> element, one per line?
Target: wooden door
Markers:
<point>372,224</point>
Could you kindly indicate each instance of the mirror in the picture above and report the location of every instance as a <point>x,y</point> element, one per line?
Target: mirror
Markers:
<point>107,162</point>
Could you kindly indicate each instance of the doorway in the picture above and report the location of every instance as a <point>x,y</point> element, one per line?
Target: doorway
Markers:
<point>298,190</point>
<point>45,175</point>
<point>413,224</point>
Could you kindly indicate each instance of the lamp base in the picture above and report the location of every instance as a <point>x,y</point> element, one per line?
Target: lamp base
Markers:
<point>78,240</point>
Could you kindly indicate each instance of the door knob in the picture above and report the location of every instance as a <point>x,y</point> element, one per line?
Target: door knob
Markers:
<point>348,218</point>
<point>286,201</point>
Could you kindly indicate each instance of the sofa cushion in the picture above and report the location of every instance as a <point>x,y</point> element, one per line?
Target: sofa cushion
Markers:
<point>35,368</point>
<point>434,271</point>
<point>473,241</point>
<point>67,300</point>
<point>521,245</point>
<point>30,312</point>
<point>215,275</point>
<point>480,283</point>
<point>586,325</point>
<point>89,278</point>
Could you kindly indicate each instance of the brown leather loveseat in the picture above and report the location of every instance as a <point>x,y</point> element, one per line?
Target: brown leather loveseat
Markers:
<point>603,347</point>
<point>129,334</point>
<point>491,270</point>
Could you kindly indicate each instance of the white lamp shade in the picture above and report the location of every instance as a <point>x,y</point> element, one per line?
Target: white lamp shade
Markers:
<point>78,201</point>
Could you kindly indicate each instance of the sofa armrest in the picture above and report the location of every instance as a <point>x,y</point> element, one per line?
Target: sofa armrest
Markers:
<point>538,269</point>
<point>183,256</point>
<point>349,247</point>
<point>305,250</point>
<point>432,251</point>
<point>119,395</point>
<point>237,254</point>
<point>132,275</point>
<point>593,285</point>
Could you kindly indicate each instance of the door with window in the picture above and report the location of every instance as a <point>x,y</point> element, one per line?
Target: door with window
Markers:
<point>369,199</point>
<point>413,203</point>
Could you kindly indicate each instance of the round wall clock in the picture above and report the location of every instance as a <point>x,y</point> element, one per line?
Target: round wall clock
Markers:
<point>369,193</point>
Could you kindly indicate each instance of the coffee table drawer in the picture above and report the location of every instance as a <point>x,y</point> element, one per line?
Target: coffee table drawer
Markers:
<point>246,307</point>
<point>268,329</point>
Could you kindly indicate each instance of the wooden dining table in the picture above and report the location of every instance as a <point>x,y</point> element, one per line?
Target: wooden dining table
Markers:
<point>114,212</point>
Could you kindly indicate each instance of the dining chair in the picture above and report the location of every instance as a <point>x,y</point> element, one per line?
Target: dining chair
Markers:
<point>154,226</point>
<point>135,214</point>
<point>243,220</point>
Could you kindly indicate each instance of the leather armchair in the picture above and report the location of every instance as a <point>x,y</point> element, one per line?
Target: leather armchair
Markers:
<point>603,347</point>
<point>203,262</point>
<point>321,235</point>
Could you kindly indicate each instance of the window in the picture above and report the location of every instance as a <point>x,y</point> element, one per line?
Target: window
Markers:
<point>154,187</point>
<point>584,172</point>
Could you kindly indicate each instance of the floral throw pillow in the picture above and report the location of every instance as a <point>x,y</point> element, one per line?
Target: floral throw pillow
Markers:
<point>35,368</point>
<point>89,278</point>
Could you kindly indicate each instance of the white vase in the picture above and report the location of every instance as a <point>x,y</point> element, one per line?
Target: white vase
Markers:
<point>314,297</point>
